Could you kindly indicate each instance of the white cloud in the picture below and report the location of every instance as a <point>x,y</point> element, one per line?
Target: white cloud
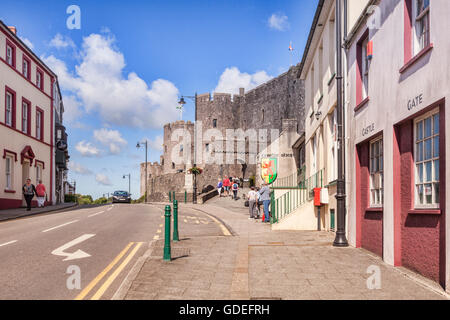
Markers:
<point>86,149</point>
<point>78,168</point>
<point>28,43</point>
<point>278,21</point>
<point>72,109</point>
<point>99,85</point>
<point>61,42</point>
<point>157,143</point>
<point>103,179</point>
<point>111,139</point>
<point>232,79</point>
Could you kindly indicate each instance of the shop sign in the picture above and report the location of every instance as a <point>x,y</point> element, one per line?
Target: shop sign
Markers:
<point>415,102</point>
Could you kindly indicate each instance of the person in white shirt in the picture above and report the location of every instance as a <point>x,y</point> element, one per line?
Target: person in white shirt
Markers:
<point>252,203</point>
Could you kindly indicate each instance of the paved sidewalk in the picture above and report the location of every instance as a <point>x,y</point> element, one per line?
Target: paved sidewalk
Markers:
<point>22,212</point>
<point>257,263</point>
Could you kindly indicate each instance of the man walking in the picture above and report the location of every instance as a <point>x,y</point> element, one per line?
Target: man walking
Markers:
<point>265,198</point>
<point>235,188</point>
<point>226,186</point>
<point>29,190</point>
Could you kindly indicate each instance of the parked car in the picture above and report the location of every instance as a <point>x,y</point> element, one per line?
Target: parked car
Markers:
<point>121,197</point>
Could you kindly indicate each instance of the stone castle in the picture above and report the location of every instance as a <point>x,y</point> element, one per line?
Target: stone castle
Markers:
<point>277,104</point>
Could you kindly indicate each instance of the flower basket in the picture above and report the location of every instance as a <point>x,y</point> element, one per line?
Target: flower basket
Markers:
<point>195,170</point>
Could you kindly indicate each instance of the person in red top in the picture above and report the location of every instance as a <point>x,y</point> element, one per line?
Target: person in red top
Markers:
<point>226,186</point>
<point>41,192</point>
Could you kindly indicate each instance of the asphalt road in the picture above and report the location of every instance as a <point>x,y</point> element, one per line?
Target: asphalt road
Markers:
<point>77,254</point>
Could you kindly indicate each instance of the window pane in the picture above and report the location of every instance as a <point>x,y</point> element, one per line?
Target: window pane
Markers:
<point>381,163</point>
<point>419,155</point>
<point>427,127</point>
<point>428,193</point>
<point>436,193</point>
<point>427,149</point>
<point>428,170</point>
<point>419,131</point>
<point>436,147</point>
<point>436,123</point>
<point>420,194</point>
<point>436,170</point>
<point>419,173</point>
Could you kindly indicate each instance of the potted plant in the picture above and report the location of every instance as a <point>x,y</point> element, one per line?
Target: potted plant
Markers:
<point>195,170</point>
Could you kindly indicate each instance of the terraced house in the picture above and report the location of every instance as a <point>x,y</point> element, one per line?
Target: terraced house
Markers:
<point>398,134</point>
<point>27,120</point>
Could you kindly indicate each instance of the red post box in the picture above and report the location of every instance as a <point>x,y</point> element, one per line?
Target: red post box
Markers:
<point>317,202</point>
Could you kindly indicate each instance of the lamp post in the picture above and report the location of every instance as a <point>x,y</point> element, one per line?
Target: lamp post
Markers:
<point>146,152</point>
<point>340,240</point>
<point>129,182</point>
<point>182,102</point>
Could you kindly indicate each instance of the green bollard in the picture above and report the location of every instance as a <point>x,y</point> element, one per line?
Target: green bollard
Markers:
<point>170,196</point>
<point>167,253</point>
<point>175,221</point>
<point>185,197</point>
<point>173,198</point>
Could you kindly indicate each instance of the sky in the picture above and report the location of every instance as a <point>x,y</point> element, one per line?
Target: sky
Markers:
<point>123,71</point>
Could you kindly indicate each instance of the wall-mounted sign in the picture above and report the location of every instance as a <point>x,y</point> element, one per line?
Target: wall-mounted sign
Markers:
<point>415,102</point>
<point>269,170</point>
<point>368,130</point>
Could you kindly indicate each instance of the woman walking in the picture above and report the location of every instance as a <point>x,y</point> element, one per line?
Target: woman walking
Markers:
<point>41,192</point>
<point>219,187</point>
<point>29,190</point>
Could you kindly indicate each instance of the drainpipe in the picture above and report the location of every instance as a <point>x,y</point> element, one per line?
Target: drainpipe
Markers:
<point>340,240</point>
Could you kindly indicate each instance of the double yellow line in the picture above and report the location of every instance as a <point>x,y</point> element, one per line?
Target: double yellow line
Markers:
<point>113,276</point>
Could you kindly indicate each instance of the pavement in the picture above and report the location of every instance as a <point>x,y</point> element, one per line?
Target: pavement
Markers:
<point>224,255</point>
<point>22,212</point>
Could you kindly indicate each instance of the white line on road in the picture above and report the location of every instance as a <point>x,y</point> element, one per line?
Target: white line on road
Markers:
<point>96,214</point>
<point>109,209</point>
<point>63,225</point>
<point>5,244</point>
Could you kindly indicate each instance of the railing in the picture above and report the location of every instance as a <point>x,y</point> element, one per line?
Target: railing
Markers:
<point>295,196</point>
<point>289,181</point>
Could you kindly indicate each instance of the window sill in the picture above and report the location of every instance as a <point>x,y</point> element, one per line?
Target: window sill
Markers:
<point>375,210</point>
<point>9,191</point>
<point>425,211</point>
<point>362,104</point>
<point>416,58</point>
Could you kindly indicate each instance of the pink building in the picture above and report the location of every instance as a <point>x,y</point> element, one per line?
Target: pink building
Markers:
<point>398,92</point>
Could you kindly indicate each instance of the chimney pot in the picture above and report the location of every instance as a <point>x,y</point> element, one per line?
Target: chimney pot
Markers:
<point>13,30</point>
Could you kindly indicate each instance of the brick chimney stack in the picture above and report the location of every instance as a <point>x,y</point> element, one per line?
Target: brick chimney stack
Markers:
<point>13,30</point>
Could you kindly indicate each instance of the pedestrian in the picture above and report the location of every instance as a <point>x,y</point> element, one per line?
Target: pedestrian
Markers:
<point>258,203</point>
<point>219,187</point>
<point>252,198</point>
<point>235,188</point>
<point>29,190</point>
<point>41,193</point>
<point>226,186</point>
<point>231,185</point>
<point>265,198</point>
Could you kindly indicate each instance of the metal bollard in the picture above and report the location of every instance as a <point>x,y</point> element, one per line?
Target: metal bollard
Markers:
<point>170,196</point>
<point>175,221</point>
<point>173,198</point>
<point>185,197</point>
<point>167,252</point>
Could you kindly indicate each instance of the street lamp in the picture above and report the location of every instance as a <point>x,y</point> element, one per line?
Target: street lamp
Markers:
<point>129,182</point>
<point>182,102</point>
<point>146,152</point>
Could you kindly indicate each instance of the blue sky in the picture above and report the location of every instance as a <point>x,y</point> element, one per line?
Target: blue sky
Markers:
<point>123,71</point>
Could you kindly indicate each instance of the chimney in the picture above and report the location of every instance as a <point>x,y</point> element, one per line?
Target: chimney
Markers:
<point>13,30</point>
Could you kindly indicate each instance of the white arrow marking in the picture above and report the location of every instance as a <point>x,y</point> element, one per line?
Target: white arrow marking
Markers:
<point>96,214</point>
<point>63,225</point>
<point>77,254</point>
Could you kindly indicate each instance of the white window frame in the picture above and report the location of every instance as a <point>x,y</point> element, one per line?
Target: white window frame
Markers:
<point>9,55</point>
<point>25,109</point>
<point>333,134</point>
<point>376,176</point>
<point>9,109</point>
<point>38,79</point>
<point>421,33</point>
<point>38,173</point>
<point>9,171</point>
<point>435,203</point>
<point>39,125</point>
<point>365,69</point>
<point>25,68</point>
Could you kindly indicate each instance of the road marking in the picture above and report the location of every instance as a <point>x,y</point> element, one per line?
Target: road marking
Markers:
<point>119,269</point>
<point>110,209</point>
<point>159,231</point>
<point>100,276</point>
<point>79,254</point>
<point>5,244</point>
<point>160,225</point>
<point>185,221</point>
<point>156,237</point>
<point>60,226</point>
<point>96,214</point>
